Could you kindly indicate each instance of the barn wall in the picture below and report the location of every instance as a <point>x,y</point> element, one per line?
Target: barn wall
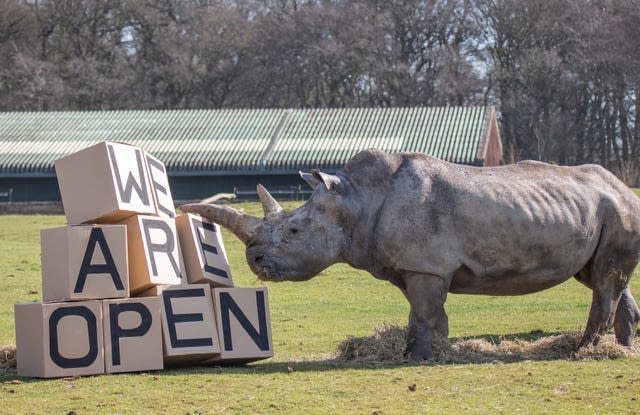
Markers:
<point>200,187</point>
<point>493,155</point>
<point>26,189</point>
<point>283,186</point>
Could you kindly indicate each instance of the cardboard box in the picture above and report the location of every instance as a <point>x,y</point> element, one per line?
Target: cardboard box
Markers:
<point>161,189</point>
<point>154,252</point>
<point>188,326</point>
<point>59,339</point>
<point>205,258</point>
<point>244,325</point>
<point>105,183</point>
<point>84,262</point>
<point>132,334</point>
<point>155,291</point>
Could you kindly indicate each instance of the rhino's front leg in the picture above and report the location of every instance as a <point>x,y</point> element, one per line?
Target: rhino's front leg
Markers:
<point>426,295</point>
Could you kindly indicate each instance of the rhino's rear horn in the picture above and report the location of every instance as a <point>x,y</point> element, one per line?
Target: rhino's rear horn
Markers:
<point>241,224</point>
<point>310,179</point>
<point>271,207</point>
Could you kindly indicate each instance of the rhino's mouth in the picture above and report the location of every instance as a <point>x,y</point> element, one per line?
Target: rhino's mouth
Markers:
<point>268,267</point>
<point>267,273</point>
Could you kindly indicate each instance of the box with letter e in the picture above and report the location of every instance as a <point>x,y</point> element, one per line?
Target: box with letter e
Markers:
<point>127,285</point>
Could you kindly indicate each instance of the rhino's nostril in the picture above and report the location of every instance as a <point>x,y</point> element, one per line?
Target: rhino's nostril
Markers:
<point>258,259</point>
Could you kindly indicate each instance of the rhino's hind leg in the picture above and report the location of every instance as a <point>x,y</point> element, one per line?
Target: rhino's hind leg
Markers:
<point>626,320</point>
<point>608,277</point>
<point>426,295</point>
<point>601,316</point>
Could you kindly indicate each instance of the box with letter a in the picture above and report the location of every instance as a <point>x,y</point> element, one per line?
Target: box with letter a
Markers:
<point>84,262</point>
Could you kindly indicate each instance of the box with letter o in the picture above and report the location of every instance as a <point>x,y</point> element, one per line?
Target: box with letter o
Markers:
<point>126,285</point>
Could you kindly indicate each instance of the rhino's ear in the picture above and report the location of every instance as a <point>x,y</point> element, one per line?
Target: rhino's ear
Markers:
<point>310,179</point>
<point>333,183</point>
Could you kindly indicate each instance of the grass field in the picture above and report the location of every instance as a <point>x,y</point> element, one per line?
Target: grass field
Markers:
<point>309,320</point>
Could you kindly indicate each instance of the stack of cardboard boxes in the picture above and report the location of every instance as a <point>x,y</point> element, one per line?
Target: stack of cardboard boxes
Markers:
<point>127,285</point>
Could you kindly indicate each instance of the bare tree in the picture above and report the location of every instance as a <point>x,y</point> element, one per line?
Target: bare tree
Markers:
<point>563,74</point>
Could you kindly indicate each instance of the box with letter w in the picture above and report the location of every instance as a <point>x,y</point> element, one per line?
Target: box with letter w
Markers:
<point>127,285</point>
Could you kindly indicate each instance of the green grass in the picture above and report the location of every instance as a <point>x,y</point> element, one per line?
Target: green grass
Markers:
<point>309,320</point>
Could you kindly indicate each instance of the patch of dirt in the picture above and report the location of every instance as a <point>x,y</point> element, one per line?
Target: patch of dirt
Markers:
<point>387,345</point>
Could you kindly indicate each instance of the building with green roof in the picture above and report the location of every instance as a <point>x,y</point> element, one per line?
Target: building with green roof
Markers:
<point>213,151</point>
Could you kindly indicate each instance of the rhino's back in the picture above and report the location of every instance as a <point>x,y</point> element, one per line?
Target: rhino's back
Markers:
<point>508,229</point>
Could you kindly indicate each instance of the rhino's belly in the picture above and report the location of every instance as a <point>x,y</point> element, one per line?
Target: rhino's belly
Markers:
<point>511,283</point>
<point>523,262</point>
<point>518,271</point>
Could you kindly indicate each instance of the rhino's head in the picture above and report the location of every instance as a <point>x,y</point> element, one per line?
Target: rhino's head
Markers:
<point>297,245</point>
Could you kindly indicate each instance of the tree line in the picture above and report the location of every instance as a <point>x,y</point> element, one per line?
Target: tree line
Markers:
<point>563,74</point>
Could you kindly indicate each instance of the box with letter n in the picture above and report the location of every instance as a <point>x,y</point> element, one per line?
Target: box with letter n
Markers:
<point>123,238</point>
<point>88,337</point>
<point>244,326</point>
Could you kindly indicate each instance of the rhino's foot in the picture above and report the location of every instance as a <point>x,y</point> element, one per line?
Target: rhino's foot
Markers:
<point>426,295</point>
<point>623,315</point>
<point>419,346</point>
<point>418,352</point>
<point>589,339</point>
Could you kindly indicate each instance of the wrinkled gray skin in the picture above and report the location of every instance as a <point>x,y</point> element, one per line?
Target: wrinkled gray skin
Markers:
<point>432,227</point>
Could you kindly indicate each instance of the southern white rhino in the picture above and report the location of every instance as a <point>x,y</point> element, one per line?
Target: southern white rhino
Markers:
<point>431,227</point>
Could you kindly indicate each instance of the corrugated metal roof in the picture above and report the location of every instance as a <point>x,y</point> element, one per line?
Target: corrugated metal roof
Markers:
<point>223,141</point>
<point>327,138</point>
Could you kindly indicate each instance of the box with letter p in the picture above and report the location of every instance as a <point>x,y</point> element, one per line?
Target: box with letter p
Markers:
<point>88,337</point>
<point>132,334</point>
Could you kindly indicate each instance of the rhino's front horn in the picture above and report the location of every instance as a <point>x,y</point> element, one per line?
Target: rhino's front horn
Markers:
<point>241,224</point>
<point>271,207</point>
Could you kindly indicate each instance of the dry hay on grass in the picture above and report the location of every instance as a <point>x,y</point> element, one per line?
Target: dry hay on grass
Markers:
<point>387,345</point>
<point>7,358</point>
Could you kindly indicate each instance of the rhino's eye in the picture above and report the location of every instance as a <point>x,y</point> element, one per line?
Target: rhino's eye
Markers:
<point>293,231</point>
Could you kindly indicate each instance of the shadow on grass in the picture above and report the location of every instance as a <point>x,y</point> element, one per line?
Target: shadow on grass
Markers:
<point>385,349</point>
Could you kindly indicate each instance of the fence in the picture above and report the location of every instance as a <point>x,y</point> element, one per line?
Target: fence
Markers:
<point>6,195</point>
<point>282,193</point>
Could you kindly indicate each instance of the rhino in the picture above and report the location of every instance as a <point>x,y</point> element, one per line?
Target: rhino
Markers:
<point>431,227</point>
